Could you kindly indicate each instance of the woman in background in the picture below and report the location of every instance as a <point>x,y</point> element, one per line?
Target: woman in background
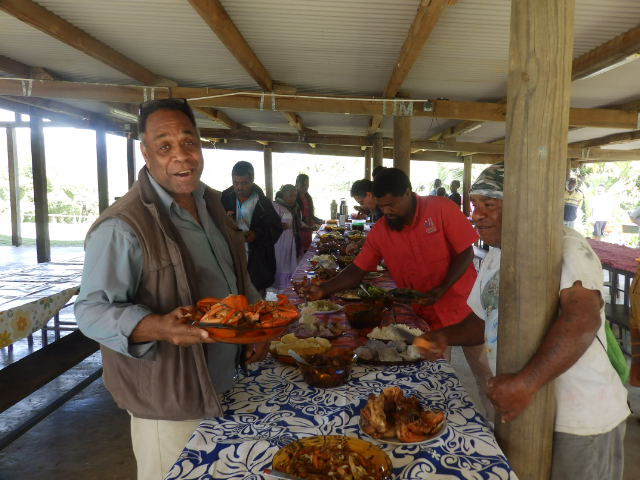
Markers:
<point>305,204</point>
<point>288,247</point>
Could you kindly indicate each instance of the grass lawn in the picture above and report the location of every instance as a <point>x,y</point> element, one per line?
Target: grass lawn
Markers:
<point>5,240</point>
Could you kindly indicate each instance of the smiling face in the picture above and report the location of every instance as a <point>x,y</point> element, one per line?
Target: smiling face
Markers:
<point>172,152</point>
<point>487,218</point>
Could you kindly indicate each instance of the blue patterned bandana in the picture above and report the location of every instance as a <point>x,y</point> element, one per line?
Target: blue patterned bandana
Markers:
<point>490,182</point>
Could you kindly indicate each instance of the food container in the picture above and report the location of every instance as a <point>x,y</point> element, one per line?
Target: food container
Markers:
<point>363,315</point>
<point>233,334</point>
<point>329,369</point>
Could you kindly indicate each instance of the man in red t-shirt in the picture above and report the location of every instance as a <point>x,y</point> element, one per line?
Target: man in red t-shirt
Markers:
<point>426,243</point>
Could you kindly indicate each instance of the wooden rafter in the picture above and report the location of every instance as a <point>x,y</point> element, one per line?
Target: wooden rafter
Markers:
<point>605,55</point>
<point>9,65</point>
<point>612,139</point>
<point>209,97</point>
<point>214,14</point>
<point>427,16</point>
<point>48,22</point>
<point>13,67</point>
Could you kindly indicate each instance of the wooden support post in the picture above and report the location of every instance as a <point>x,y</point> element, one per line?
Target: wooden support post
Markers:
<point>14,188</point>
<point>402,143</point>
<point>268,173</point>
<point>367,163</point>
<point>131,160</point>
<point>103,179</point>
<point>378,150</point>
<point>466,185</point>
<point>538,93</point>
<point>40,201</point>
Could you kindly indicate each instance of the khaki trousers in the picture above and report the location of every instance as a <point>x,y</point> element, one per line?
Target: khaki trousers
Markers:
<point>157,444</point>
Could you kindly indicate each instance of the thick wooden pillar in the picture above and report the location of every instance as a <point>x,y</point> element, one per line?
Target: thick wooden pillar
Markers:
<point>466,185</point>
<point>40,201</point>
<point>268,173</point>
<point>538,92</point>
<point>402,143</point>
<point>131,161</point>
<point>378,150</point>
<point>14,188</point>
<point>367,163</point>
<point>103,179</point>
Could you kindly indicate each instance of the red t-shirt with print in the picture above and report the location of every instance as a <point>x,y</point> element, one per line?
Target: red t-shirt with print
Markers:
<point>419,256</point>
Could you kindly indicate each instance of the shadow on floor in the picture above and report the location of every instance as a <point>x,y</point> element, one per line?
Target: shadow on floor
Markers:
<point>87,438</point>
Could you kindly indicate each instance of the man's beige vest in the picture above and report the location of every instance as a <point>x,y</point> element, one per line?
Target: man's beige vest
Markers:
<point>175,385</point>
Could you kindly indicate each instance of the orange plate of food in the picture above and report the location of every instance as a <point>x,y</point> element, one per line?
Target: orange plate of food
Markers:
<point>333,456</point>
<point>234,320</point>
<point>234,334</point>
<point>394,418</point>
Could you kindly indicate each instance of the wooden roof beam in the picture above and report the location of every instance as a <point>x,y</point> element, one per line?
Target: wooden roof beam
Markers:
<point>613,139</point>
<point>209,97</point>
<point>13,67</point>
<point>214,14</point>
<point>606,55</point>
<point>48,22</point>
<point>427,16</point>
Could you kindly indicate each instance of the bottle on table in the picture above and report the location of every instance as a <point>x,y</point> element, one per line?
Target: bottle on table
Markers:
<point>334,210</point>
<point>344,210</point>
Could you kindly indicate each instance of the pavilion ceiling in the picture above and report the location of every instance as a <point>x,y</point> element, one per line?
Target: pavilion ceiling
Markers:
<point>429,49</point>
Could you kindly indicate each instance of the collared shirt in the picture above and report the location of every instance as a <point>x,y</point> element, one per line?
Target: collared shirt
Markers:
<point>244,211</point>
<point>113,269</point>
<point>419,256</point>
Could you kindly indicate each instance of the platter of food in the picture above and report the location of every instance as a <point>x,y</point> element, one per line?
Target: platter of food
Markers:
<point>319,307</point>
<point>386,347</point>
<point>351,294</point>
<point>333,456</point>
<point>279,349</point>
<point>233,320</point>
<point>394,418</point>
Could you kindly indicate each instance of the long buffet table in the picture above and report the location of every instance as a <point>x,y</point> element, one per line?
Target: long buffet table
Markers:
<point>271,406</point>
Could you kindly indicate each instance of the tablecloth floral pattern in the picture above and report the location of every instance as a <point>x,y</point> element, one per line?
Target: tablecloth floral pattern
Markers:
<point>273,406</point>
<point>20,322</point>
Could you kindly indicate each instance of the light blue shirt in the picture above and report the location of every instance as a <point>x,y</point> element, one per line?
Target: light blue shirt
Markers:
<point>113,270</point>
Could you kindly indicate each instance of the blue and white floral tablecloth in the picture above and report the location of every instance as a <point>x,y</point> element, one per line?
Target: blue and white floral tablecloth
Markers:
<point>273,406</point>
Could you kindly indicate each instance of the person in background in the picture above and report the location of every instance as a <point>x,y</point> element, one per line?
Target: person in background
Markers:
<point>455,196</point>
<point>591,402</point>
<point>149,257</point>
<point>361,191</point>
<point>376,171</point>
<point>600,212</point>
<point>288,247</point>
<point>310,222</point>
<point>253,213</point>
<point>572,202</point>
<point>436,185</point>
<point>441,192</point>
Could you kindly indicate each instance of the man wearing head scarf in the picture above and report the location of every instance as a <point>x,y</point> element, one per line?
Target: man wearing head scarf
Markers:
<point>591,403</point>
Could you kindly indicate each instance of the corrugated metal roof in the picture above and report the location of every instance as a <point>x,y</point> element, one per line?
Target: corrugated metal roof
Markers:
<point>166,36</point>
<point>25,44</point>
<point>328,46</point>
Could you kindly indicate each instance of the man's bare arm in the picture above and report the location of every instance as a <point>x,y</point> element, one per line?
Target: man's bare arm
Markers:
<point>349,277</point>
<point>566,341</point>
